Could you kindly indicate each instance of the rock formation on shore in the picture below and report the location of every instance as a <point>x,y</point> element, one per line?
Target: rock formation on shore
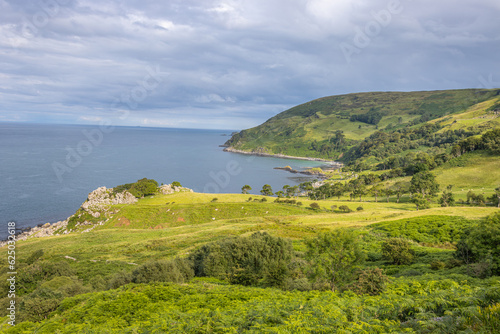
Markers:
<point>99,199</point>
<point>97,205</point>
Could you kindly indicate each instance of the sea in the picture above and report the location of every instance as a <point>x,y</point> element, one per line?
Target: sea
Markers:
<point>47,171</point>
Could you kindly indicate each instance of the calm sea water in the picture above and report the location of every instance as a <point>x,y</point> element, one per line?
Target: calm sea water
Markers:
<point>47,171</point>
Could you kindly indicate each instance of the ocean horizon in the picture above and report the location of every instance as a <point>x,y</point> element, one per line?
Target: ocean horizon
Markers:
<point>48,170</point>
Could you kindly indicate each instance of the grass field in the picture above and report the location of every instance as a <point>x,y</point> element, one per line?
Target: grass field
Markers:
<point>151,228</point>
<point>81,268</point>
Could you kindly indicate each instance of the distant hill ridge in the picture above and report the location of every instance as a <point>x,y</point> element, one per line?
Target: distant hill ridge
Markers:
<point>334,127</point>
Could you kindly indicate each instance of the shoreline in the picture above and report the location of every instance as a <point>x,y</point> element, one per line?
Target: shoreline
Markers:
<point>281,156</point>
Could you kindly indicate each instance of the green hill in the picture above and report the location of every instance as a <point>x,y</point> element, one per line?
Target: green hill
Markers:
<point>88,282</point>
<point>340,127</point>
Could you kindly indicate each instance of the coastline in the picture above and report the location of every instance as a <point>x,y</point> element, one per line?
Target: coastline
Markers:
<point>281,156</point>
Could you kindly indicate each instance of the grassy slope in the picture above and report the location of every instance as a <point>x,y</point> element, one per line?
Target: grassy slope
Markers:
<point>152,235</point>
<point>149,235</point>
<point>292,131</point>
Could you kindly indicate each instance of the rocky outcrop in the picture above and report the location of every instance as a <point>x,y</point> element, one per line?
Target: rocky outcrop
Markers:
<point>97,205</point>
<point>99,199</point>
<point>168,189</point>
<point>40,231</point>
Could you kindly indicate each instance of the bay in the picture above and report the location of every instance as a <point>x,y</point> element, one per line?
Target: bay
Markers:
<point>47,171</point>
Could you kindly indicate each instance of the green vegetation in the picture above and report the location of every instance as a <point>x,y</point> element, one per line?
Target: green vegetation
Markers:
<point>304,261</point>
<point>141,188</point>
<point>164,264</point>
<point>364,129</point>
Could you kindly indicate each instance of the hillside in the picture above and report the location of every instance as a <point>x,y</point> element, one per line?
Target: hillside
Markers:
<point>135,267</point>
<point>337,127</point>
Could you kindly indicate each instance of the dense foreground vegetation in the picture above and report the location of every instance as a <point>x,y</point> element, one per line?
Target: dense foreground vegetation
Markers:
<point>184,263</point>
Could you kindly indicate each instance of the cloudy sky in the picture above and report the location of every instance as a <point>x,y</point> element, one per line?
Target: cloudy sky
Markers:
<point>231,64</point>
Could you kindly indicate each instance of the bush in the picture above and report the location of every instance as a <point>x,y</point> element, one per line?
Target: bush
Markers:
<point>259,259</point>
<point>333,256</point>
<point>215,199</point>
<point>119,279</point>
<point>438,265</point>
<point>314,206</point>
<point>397,251</point>
<point>263,199</point>
<point>370,281</point>
<point>29,278</point>
<point>345,209</point>
<point>176,184</point>
<point>480,245</point>
<point>141,188</point>
<point>34,256</point>
<point>359,208</point>
<point>300,284</point>
<point>177,271</point>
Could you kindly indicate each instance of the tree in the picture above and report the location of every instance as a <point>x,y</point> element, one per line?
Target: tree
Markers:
<point>491,140</point>
<point>424,183</point>
<point>285,190</point>
<point>266,190</point>
<point>144,187</point>
<point>345,209</point>
<point>420,201</point>
<point>280,194</point>
<point>245,189</point>
<point>495,198</point>
<point>447,198</point>
<point>333,256</point>
<point>338,190</point>
<point>292,191</point>
<point>398,251</point>
<point>388,192</point>
<point>314,206</point>
<point>376,190</point>
<point>481,244</point>
<point>399,189</point>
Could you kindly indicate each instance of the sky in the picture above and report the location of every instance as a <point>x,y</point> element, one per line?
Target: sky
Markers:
<point>231,64</point>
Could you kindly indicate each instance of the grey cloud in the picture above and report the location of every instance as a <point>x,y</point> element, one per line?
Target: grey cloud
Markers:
<point>230,63</point>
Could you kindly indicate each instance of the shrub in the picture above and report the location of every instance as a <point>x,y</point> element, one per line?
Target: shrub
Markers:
<point>259,259</point>
<point>453,263</point>
<point>480,245</point>
<point>333,255</point>
<point>345,209</point>
<point>300,284</point>
<point>263,199</point>
<point>31,276</point>
<point>359,208</point>
<point>299,204</point>
<point>397,251</point>
<point>34,256</point>
<point>141,188</point>
<point>177,271</point>
<point>215,199</point>
<point>370,281</point>
<point>119,279</point>
<point>438,265</point>
<point>176,184</point>
<point>314,206</point>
